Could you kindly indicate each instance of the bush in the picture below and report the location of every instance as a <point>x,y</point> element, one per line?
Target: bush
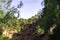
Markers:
<point>39,30</point>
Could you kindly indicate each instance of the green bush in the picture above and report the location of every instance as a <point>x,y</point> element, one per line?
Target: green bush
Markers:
<point>39,30</point>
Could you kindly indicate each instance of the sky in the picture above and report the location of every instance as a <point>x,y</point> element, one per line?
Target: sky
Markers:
<point>29,8</point>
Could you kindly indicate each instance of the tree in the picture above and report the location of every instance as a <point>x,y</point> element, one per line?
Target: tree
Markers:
<point>51,14</point>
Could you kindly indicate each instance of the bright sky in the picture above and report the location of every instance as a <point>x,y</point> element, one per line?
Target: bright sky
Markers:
<point>29,8</point>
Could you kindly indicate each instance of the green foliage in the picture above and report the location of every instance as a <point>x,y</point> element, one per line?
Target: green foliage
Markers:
<point>1,38</point>
<point>1,14</point>
<point>2,0</point>
<point>39,30</point>
<point>51,15</point>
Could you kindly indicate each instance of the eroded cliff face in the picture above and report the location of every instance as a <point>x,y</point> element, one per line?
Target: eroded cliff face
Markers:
<point>28,33</point>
